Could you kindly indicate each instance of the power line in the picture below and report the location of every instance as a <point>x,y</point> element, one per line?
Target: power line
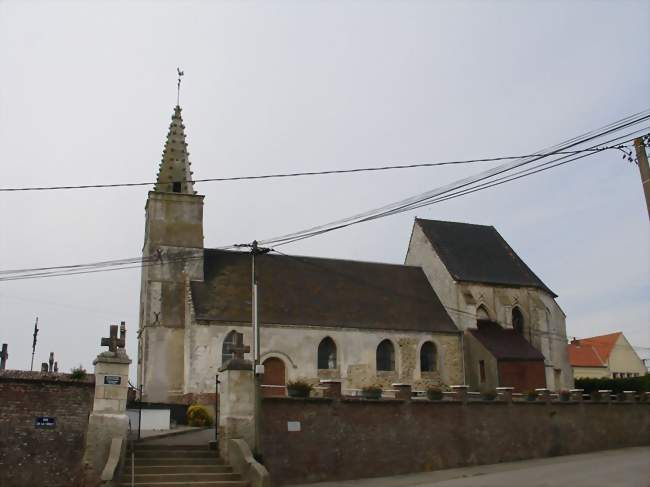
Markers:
<point>428,197</point>
<point>294,174</point>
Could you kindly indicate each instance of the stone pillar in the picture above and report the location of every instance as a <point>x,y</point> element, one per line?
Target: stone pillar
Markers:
<point>605,395</point>
<point>544,394</point>
<point>403,391</point>
<point>629,396</point>
<point>460,392</point>
<point>505,393</point>
<point>108,419</point>
<point>236,404</point>
<point>333,388</point>
<point>576,394</point>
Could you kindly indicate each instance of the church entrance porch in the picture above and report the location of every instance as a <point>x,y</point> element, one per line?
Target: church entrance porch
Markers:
<point>274,378</point>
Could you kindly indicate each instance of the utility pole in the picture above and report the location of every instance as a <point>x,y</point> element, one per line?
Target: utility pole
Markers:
<point>642,160</point>
<point>31,367</point>
<point>258,368</point>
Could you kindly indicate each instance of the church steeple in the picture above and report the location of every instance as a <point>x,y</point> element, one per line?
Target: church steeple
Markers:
<point>174,175</point>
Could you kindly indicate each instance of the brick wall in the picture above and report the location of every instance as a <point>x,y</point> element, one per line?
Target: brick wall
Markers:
<point>31,456</point>
<point>354,438</point>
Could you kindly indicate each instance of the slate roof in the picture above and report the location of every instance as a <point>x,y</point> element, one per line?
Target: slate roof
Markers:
<point>505,344</point>
<point>478,253</point>
<point>584,356</point>
<point>318,292</point>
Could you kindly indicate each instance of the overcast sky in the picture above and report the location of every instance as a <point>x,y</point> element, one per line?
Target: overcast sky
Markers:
<point>87,90</point>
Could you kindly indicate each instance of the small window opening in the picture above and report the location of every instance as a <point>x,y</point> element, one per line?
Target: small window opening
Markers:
<point>428,357</point>
<point>327,354</point>
<point>176,187</point>
<point>386,356</point>
<point>518,321</point>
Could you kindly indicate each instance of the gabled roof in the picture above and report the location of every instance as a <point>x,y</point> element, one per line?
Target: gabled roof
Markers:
<point>309,291</point>
<point>477,253</point>
<point>504,344</point>
<point>584,356</point>
<point>603,344</point>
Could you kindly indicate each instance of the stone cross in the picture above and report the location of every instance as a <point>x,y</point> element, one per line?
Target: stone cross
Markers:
<point>238,349</point>
<point>112,342</point>
<point>3,357</point>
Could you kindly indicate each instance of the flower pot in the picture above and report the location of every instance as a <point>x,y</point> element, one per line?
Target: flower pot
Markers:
<point>531,398</point>
<point>435,395</point>
<point>371,394</point>
<point>564,397</point>
<point>488,397</point>
<point>297,392</point>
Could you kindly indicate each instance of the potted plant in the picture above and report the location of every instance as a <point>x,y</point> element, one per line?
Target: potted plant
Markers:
<point>489,395</point>
<point>299,388</point>
<point>198,416</point>
<point>565,395</point>
<point>371,392</point>
<point>435,394</point>
<point>531,395</point>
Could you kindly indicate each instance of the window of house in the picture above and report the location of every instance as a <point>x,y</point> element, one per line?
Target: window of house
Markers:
<point>428,357</point>
<point>327,354</point>
<point>176,187</point>
<point>386,356</point>
<point>481,371</point>
<point>482,314</point>
<point>517,321</point>
<point>226,354</point>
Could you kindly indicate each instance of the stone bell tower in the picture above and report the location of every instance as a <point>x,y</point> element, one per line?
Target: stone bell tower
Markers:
<point>172,255</point>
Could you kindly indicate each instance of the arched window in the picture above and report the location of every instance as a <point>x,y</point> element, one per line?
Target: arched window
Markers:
<point>428,357</point>
<point>517,321</point>
<point>386,356</point>
<point>327,354</point>
<point>225,353</point>
<point>482,314</point>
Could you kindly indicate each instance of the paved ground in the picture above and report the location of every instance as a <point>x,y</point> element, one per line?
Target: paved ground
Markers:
<point>628,467</point>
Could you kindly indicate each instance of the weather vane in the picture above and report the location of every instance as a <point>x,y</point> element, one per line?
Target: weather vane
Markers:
<point>178,88</point>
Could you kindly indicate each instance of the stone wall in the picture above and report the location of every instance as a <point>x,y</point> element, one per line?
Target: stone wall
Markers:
<point>297,348</point>
<point>42,456</point>
<point>354,438</point>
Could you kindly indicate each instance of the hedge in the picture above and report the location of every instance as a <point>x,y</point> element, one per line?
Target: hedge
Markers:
<point>639,384</point>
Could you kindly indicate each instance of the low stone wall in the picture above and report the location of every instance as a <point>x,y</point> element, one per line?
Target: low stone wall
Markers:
<point>42,455</point>
<point>308,440</point>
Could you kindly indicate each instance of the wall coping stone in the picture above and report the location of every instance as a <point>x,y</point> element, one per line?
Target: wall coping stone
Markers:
<point>303,399</point>
<point>330,381</point>
<point>45,377</point>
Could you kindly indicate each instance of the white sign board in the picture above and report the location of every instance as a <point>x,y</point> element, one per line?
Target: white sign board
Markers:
<point>293,425</point>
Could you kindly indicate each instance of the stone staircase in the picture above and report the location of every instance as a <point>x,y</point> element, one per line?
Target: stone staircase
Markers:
<point>178,465</point>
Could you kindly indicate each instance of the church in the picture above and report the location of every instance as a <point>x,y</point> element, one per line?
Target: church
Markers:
<point>462,309</point>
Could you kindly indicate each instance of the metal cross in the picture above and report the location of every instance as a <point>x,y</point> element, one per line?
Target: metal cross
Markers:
<point>238,349</point>
<point>178,88</point>
<point>112,342</point>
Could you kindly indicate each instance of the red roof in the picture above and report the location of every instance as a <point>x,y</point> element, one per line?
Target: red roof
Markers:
<point>593,351</point>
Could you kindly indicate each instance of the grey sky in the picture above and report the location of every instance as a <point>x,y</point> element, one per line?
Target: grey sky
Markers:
<point>87,91</point>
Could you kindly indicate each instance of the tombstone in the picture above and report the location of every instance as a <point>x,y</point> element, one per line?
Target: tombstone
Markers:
<point>237,349</point>
<point>56,366</point>
<point>4,356</point>
<point>44,367</point>
<point>51,362</point>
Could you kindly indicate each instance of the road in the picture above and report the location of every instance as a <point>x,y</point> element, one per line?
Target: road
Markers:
<point>628,467</point>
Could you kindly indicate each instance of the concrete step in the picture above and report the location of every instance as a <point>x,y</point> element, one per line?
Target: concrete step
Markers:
<point>161,469</point>
<point>178,477</point>
<point>176,452</point>
<point>199,483</point>
<point>146,446</point>
<point>176,461</point>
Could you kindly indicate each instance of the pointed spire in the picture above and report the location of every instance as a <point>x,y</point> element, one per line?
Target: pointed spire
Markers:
<point>174,175</point>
